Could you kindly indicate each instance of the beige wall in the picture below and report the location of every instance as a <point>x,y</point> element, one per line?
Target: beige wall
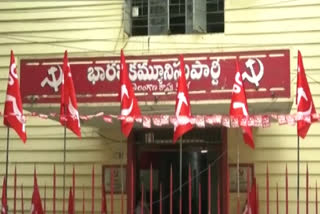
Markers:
<point>38,29</point>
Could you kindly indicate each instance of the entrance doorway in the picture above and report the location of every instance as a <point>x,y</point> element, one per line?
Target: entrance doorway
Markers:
<point>202,148</point>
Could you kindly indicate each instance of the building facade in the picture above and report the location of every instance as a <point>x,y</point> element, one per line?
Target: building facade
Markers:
<point>99,29</point>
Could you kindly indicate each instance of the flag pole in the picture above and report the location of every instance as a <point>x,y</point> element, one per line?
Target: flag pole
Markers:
<point>298,170</point>
<point>180,173</point>
<point>7,161</point>
<point>121,174</point>
<point>64,162</point>
<point>238,178</point>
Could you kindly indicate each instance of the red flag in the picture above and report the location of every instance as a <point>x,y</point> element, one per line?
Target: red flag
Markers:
<point>71,202</point>
<point>182,108</point>
<point>251,205</point>
<point>69,115</point>
<point>4,204</point>
<point>13,113</point>
<point>239,107</point>
<point>305,105</point>
<point>129,104</point>
<point>36,206</point>
<point>103,199</point>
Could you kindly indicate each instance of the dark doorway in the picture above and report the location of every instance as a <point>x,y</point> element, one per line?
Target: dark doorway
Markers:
<point>201,149</point>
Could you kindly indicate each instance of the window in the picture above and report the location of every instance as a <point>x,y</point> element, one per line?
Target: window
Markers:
<point>156,17</point>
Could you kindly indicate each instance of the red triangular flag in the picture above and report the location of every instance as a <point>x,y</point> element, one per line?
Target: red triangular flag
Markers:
<point>4,204</point>
<point>239,107</point>
<point>36,206</point>
<point>182,108</point>
<point>71,203</point>
<point>13,113</point>
<point>305,105</point>
<point>103,199</point>
<point>69,115</point>
<point>129,104</point>
<point>251,203</point>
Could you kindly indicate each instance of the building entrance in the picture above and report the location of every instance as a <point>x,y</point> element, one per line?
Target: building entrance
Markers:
<point>201,149</point>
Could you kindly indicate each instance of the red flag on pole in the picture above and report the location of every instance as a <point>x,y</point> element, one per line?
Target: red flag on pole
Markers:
<point>71,202</point>
<point>182,108</point>
<point>305,105</point>
<point>36,206</point>
<point>129,103</point>
<point>13,113</point>
<point>69,115</point>
<point>251,205</point>
<point>239,107</point>
<point>4,204</point>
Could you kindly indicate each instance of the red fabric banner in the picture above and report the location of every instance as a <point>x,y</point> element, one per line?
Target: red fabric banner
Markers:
<point>13,112</point>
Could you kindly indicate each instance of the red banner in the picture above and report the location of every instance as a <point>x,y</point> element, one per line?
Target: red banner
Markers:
<point>209,76</point>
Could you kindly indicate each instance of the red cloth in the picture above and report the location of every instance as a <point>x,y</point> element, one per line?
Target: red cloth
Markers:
<point>36,206</point>
<point>252,204</point>
<point>71,203</point>
<point>13,113</point>
<point>305,105</point>
<point>129,103</point>
<point>4,204</point>
<point>182,108</point>
<point>69,115</point>
<point>239,107</point>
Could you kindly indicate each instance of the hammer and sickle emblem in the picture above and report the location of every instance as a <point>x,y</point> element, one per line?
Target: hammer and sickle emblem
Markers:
<point>54,82</point>
<point>253,78</point>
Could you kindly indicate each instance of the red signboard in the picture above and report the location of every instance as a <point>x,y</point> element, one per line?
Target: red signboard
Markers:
<point>210,76</point>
